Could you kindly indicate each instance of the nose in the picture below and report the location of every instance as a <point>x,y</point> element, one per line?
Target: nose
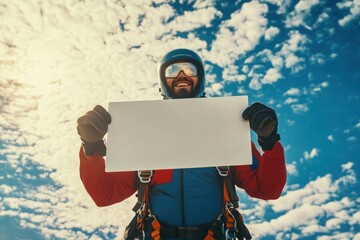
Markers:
<point>182,74</point>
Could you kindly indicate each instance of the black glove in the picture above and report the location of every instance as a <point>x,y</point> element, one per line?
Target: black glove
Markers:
<point>263,121</point>
<point>92,127</point>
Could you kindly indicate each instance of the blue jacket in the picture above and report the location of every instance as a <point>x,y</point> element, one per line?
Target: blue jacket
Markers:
<point>193,197</point>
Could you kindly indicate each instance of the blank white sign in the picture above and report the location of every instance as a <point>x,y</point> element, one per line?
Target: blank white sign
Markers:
<point>178,133</point>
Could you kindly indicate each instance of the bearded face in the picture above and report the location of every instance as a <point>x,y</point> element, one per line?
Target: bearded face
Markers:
<point>181,79</point>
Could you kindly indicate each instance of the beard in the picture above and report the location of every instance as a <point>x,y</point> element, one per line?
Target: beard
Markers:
<point>183,92</point>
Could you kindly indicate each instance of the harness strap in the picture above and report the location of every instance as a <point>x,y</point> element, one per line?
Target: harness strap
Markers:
<point>142,207</point>
<point>140,197</point>
<point>233,198</point>
<point>224,173</point>
<point>228,206</point>
<point>145,178</point>
<point>232,219</point>
<point>191,232</point>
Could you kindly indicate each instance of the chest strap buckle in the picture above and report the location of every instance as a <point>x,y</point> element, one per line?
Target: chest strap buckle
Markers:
<point>145,176</point>
<point>223,170</point>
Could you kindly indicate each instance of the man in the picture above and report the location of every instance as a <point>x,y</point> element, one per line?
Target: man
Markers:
<point>186,203</point>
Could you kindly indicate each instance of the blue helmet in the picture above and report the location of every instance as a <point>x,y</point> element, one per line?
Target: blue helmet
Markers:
<point>182,55</point>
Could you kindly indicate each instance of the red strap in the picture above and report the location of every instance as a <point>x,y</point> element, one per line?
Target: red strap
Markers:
<point>210,235</point>
<point>229,219</point>
<point>155,234</point>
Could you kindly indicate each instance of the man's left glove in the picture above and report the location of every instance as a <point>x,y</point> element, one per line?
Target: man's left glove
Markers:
<point>92,127</point>
<point>263,121</point>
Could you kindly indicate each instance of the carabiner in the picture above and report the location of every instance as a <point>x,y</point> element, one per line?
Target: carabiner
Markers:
<point>230,235</point>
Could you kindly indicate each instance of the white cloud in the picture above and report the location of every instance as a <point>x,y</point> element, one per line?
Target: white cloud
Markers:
<point>62,60</point>
<point>271,32</point>
<point>255,83</point>
<point>291,50</point>
<point>216,89</point>
<point>203,4</point>
<point>317,59</point>
<point>301,13</point>
<point>323,17</point>
<point>240,34</point>
<point>6,189</point>
<point>313,153</point>
<point>333,55</point>
<point>245,69</point>
<point>292,60</point>
<point>315,208</point>
<point>347,166</point>
<point>290,122</point>
<point>231,74</point>
<point>292,92</point>
<point>299,108</point>
<point>267,55</point>
<point>291,100</point>
<point>324,84</point>
<point>272,75</point>
<point>291,168</point>
<point>187,22</point>
<point>331,138</point>
<point>283,5</point>
<point>357,125</point>
<point>352,139</point>
<point>296,42</point>
<point>353,7</point>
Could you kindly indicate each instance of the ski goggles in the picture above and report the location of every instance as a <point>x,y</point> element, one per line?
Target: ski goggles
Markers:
<point>174,70</point>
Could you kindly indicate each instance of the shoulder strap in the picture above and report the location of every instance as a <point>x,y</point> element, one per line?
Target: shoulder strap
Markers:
<point>142,207</point>
<point>233,220</point>
<point>224,172</point>
<point>145,179</point>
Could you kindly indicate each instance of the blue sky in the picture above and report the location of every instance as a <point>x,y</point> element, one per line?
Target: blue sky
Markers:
<point>58,60</point>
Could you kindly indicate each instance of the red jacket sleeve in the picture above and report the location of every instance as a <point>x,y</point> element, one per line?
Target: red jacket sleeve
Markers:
<point>268,179</point>
<point>105,188</point>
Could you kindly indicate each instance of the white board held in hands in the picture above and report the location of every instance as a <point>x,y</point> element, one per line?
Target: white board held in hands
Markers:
<point>178,133</point>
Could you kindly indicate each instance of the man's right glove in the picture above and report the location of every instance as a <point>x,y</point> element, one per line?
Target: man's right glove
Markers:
<point>92,128</point>
<point>263,121</point>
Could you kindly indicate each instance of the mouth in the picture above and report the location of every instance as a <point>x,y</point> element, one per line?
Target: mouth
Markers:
<point>182,83</point>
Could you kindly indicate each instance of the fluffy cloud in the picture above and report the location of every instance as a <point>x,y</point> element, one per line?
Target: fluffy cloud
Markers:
<point>313,153</point>
<point>351,6</point>
<point>240,34</point>
<point>303,208</point>
<point>271,32</point>
<point>187,22</point>
<point>352,139</point>
<point>291,49</point>
<point>292,92</point>
<point>57,62</point>
<point>291,100</point>
<point>291,168</point>
<point>300,14</point>
<point>272,75</point>
<point>299,108</point>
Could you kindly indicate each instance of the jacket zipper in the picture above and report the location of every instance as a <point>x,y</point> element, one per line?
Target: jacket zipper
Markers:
<point>182,197</point>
